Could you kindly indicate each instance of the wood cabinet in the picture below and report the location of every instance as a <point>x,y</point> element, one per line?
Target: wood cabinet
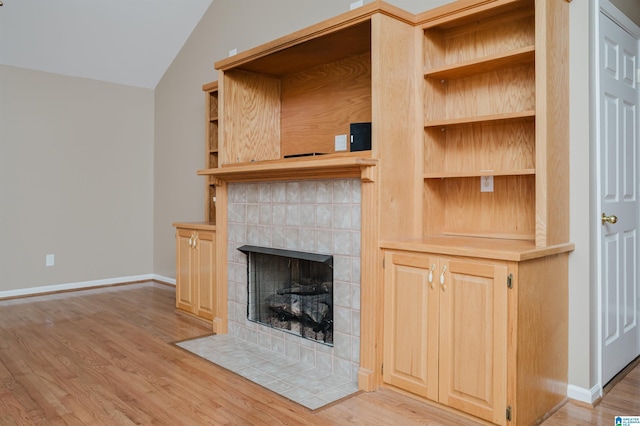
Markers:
<point>211,147</point>
<point>445,331</point>
<point>467,171</point>
<point>482,330</point>
<point>495,111</point>
<point>196,271</point>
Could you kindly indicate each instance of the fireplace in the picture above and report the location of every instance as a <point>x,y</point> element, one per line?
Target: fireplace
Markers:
<point>291,291</point>
<point>314,216</point>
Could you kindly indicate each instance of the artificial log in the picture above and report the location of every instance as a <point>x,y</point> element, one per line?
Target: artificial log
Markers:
<point>315,307</point>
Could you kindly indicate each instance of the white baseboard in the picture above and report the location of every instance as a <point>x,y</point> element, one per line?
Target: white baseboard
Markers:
<point>590,396</point>
<point>164,280</point>
<point>82,285</point>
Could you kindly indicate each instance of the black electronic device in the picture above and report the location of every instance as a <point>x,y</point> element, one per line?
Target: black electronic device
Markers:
<point>360,137</point>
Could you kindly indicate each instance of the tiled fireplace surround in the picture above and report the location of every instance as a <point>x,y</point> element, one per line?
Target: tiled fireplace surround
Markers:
<point>319,216</point>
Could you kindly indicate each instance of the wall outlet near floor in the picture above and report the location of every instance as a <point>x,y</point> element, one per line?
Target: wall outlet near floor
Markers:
<point>49,260</point>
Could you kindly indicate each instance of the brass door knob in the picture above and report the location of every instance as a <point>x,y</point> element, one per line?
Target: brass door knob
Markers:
<point>611,219</point>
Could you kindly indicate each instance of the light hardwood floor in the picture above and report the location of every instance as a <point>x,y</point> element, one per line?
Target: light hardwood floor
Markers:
<point>106,357</point>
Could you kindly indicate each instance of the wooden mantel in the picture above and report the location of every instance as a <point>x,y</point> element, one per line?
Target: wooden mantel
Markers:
<point>317,167</point>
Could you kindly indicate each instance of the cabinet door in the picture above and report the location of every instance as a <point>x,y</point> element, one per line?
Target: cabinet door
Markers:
<point>473,339</point>
<point>185,295</point>
<point>204,274</point>
<point>410,325</point>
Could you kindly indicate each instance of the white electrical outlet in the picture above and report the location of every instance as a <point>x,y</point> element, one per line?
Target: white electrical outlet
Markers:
<point>49,260</point>
<point>486,183</point>
<point>355,5</point>
<point>233,52</point>
<point>341,142</point>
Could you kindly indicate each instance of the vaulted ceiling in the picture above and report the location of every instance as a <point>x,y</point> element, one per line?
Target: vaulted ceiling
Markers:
<point>130,42</point>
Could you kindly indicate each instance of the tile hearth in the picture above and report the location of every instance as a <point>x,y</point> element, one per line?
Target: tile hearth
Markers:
<point>310,386</point>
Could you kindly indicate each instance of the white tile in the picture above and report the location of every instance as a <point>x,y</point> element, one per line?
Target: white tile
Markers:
<point>292,238</point>
<point>314,402</point>
<point>308,191</point>
<point>341,321</point>
<point>324,191</point>
<point>342,346</point>
<point>324,216</point>
<point>277,237</point>
<point>253,214</point>
<point>278,192</point>
<point>252,193</point>
<point>307,355</point>
<point>266,211</point>
<point>264,192</point>
<point>342,268</point>
<point>342,243</point>
<point>342,367</point>
<point>341,216</point>
<point>341,191</point>
<point>292,194</point>
<point>279,215</point>
<point>308,215</point>
<point>342,294</point>
<point>292,215</point>
<point>307,239</point>
<point>292,350</point>
<point>297,394</point>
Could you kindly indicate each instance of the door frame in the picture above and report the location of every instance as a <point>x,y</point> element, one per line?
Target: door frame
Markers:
<point>608,9</point>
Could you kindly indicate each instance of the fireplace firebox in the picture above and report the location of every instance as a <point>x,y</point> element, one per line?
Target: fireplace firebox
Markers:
<point>291,290</point>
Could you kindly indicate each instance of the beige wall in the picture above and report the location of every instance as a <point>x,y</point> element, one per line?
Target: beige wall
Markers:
<point>76,179</point>
<point>631,8</point>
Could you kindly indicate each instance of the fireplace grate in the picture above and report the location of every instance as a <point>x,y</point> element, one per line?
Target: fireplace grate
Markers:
<point>291,291</point>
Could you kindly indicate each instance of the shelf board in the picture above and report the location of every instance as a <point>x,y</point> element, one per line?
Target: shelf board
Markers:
<point>478,173</point>
<point>210,87</point>
<point>200,226</point>
<point>485,64</point>
<point>296,168</point>
<point>449,122</point>
<point>213,119</point>
<point>478,247</point>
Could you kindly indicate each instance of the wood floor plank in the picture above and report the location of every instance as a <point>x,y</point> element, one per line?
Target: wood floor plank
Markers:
<point>106,357</point>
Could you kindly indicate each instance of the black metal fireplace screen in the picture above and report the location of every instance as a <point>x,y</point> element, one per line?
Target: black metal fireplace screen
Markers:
<point>291,291</point>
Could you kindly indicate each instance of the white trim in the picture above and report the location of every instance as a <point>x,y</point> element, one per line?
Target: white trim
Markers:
<point>595,110</point>
<point>79,285</point>
<point>164,280</point>
<point>610,10</point>
<point>590,396</point>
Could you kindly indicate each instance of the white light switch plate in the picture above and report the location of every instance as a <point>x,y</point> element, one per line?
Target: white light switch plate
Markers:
<point>486,183</point>
<point>341,142</point>
<point>355,5</point>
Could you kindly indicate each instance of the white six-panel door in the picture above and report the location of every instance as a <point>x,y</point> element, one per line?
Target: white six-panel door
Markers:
<point>618,137</point>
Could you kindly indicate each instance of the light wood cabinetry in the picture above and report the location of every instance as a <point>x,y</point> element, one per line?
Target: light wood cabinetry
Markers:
<point>196,270</point>
<point>466,179</point>
<point>445,331</point>
<point>482,330</point>
<point>211,147</point>
<point>281,106</point>
<point>488,74</point>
